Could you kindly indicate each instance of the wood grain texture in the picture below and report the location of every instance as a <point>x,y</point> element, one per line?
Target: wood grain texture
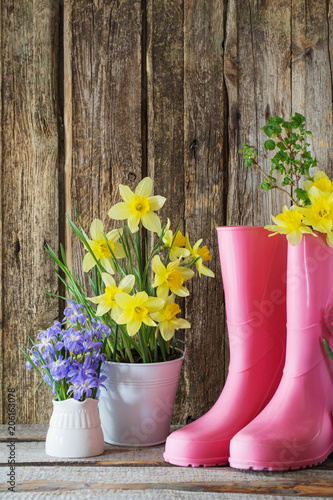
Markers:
<point>205,113</point>
<point>311,67</point>
<point>103,82</point>
<point>135,473</point>
<point>165,123</point>
<point>29,190</point>
<point>258,79</point>
<point>171,89</point>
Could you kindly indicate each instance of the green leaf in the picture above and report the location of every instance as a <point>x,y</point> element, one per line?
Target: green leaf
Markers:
<point>286,181</point>
<point>301,194</point>
<point>269,144</point>
<point>248,162</point>
<point>266,185</point>
<point>281,146</point>
<point>328,349</point>
<point>268,130</point>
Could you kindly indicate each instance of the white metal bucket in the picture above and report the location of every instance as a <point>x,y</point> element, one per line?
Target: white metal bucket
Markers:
<point>136,409</point>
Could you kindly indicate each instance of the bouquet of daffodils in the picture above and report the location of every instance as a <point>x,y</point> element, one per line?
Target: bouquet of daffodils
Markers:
<point>312,204</point>
<point>69,359</point>
<point>135,280</point>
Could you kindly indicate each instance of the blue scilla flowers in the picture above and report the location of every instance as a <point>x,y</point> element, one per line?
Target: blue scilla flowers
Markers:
<point>68,356</point>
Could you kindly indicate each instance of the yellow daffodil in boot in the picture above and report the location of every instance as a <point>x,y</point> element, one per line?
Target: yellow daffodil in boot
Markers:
<point>167,319</point>
<point>106,302</point>
<point>200,255</point>
<point>136,310</point>
<point>139,206</point>
<point>320,181</point>
<point>290,223</point>
<point>319,215</point>
<point>100,247</point>
<point>174,243</point>
<point>171,278</point>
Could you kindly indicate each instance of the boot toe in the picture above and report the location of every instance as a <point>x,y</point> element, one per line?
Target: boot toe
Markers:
<point>264,451</point>
<point>191,447</point>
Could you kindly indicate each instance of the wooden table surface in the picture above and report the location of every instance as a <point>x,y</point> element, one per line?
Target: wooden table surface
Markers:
<point>141,473</point>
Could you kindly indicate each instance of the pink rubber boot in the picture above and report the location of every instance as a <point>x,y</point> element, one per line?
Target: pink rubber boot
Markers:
<point>295,429</point>
<point>254,275</point>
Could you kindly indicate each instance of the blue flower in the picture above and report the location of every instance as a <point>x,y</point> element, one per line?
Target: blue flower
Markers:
<point>75,312</point>
<point>58,368</point>
<point>47,336</point>
<point>71,340</point>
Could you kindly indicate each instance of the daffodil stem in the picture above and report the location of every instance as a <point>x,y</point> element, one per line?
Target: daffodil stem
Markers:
<point>115,344</point>
<point>143,353</point>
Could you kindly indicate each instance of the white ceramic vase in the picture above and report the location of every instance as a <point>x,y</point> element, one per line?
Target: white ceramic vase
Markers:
<point>75,429</point>
<point>136,409</point>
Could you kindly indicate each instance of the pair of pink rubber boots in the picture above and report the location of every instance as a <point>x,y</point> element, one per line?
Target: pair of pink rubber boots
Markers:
<point>275,411</point>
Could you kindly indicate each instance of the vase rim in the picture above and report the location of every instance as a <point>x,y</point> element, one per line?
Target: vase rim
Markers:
<point>235,228</point>
<point>56,401</point>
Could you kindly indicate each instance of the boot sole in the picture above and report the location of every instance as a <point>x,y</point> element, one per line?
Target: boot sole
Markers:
<point>218,462</point>
<point>277,467</point>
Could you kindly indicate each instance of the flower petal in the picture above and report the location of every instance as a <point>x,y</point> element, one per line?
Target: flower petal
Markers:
<point>126,193</point>
<point>127,283</point>
<point>123,300</point>
<point>96,229</point>
<point>167,331</point>
<point>116,311</point>
<point>202,269</point>
<point>125,317</point>
<point>180,323</point>
<point>119,251</point>
<point>114,234</point>
<point>158,266</point>
<point>154,304</point>
<point>156,202</point>
<point>147,320</point>
<point>133,327</point>
<point>144,188</point>
<point>103,308</point>
<point>181,291</point>
<point>97,299</point>
<point>196,245</point>
<point>108,279</point>
<point>88,262</point>
<point>151,221</point>
<point>162,291</point>
<point>294,237</point>
<point>120,211</point>
<point>133,223</point>
<point>107,264</point>
<point>187,273</point>
<point>329,239</point>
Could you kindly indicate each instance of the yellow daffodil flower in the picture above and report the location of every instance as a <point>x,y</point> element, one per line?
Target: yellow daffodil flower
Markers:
<point>319,215</point>
<point>290,223</point>
<point>107,302</point>
<point>320,181</point>
<point>174,243</point>
<point>204,255</point>
<point>136,310</point>
<point>171,278</point>
<point>166,317</point>
<point>139,206</point>
<point>100,248</point>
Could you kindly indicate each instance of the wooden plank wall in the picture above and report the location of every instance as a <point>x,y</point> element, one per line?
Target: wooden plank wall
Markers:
<point>95,93</point>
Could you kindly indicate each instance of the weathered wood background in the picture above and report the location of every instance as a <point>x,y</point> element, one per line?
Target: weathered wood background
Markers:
<point>95,93</point>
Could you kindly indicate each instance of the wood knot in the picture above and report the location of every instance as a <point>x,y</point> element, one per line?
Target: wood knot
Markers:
<point>131,176</point>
